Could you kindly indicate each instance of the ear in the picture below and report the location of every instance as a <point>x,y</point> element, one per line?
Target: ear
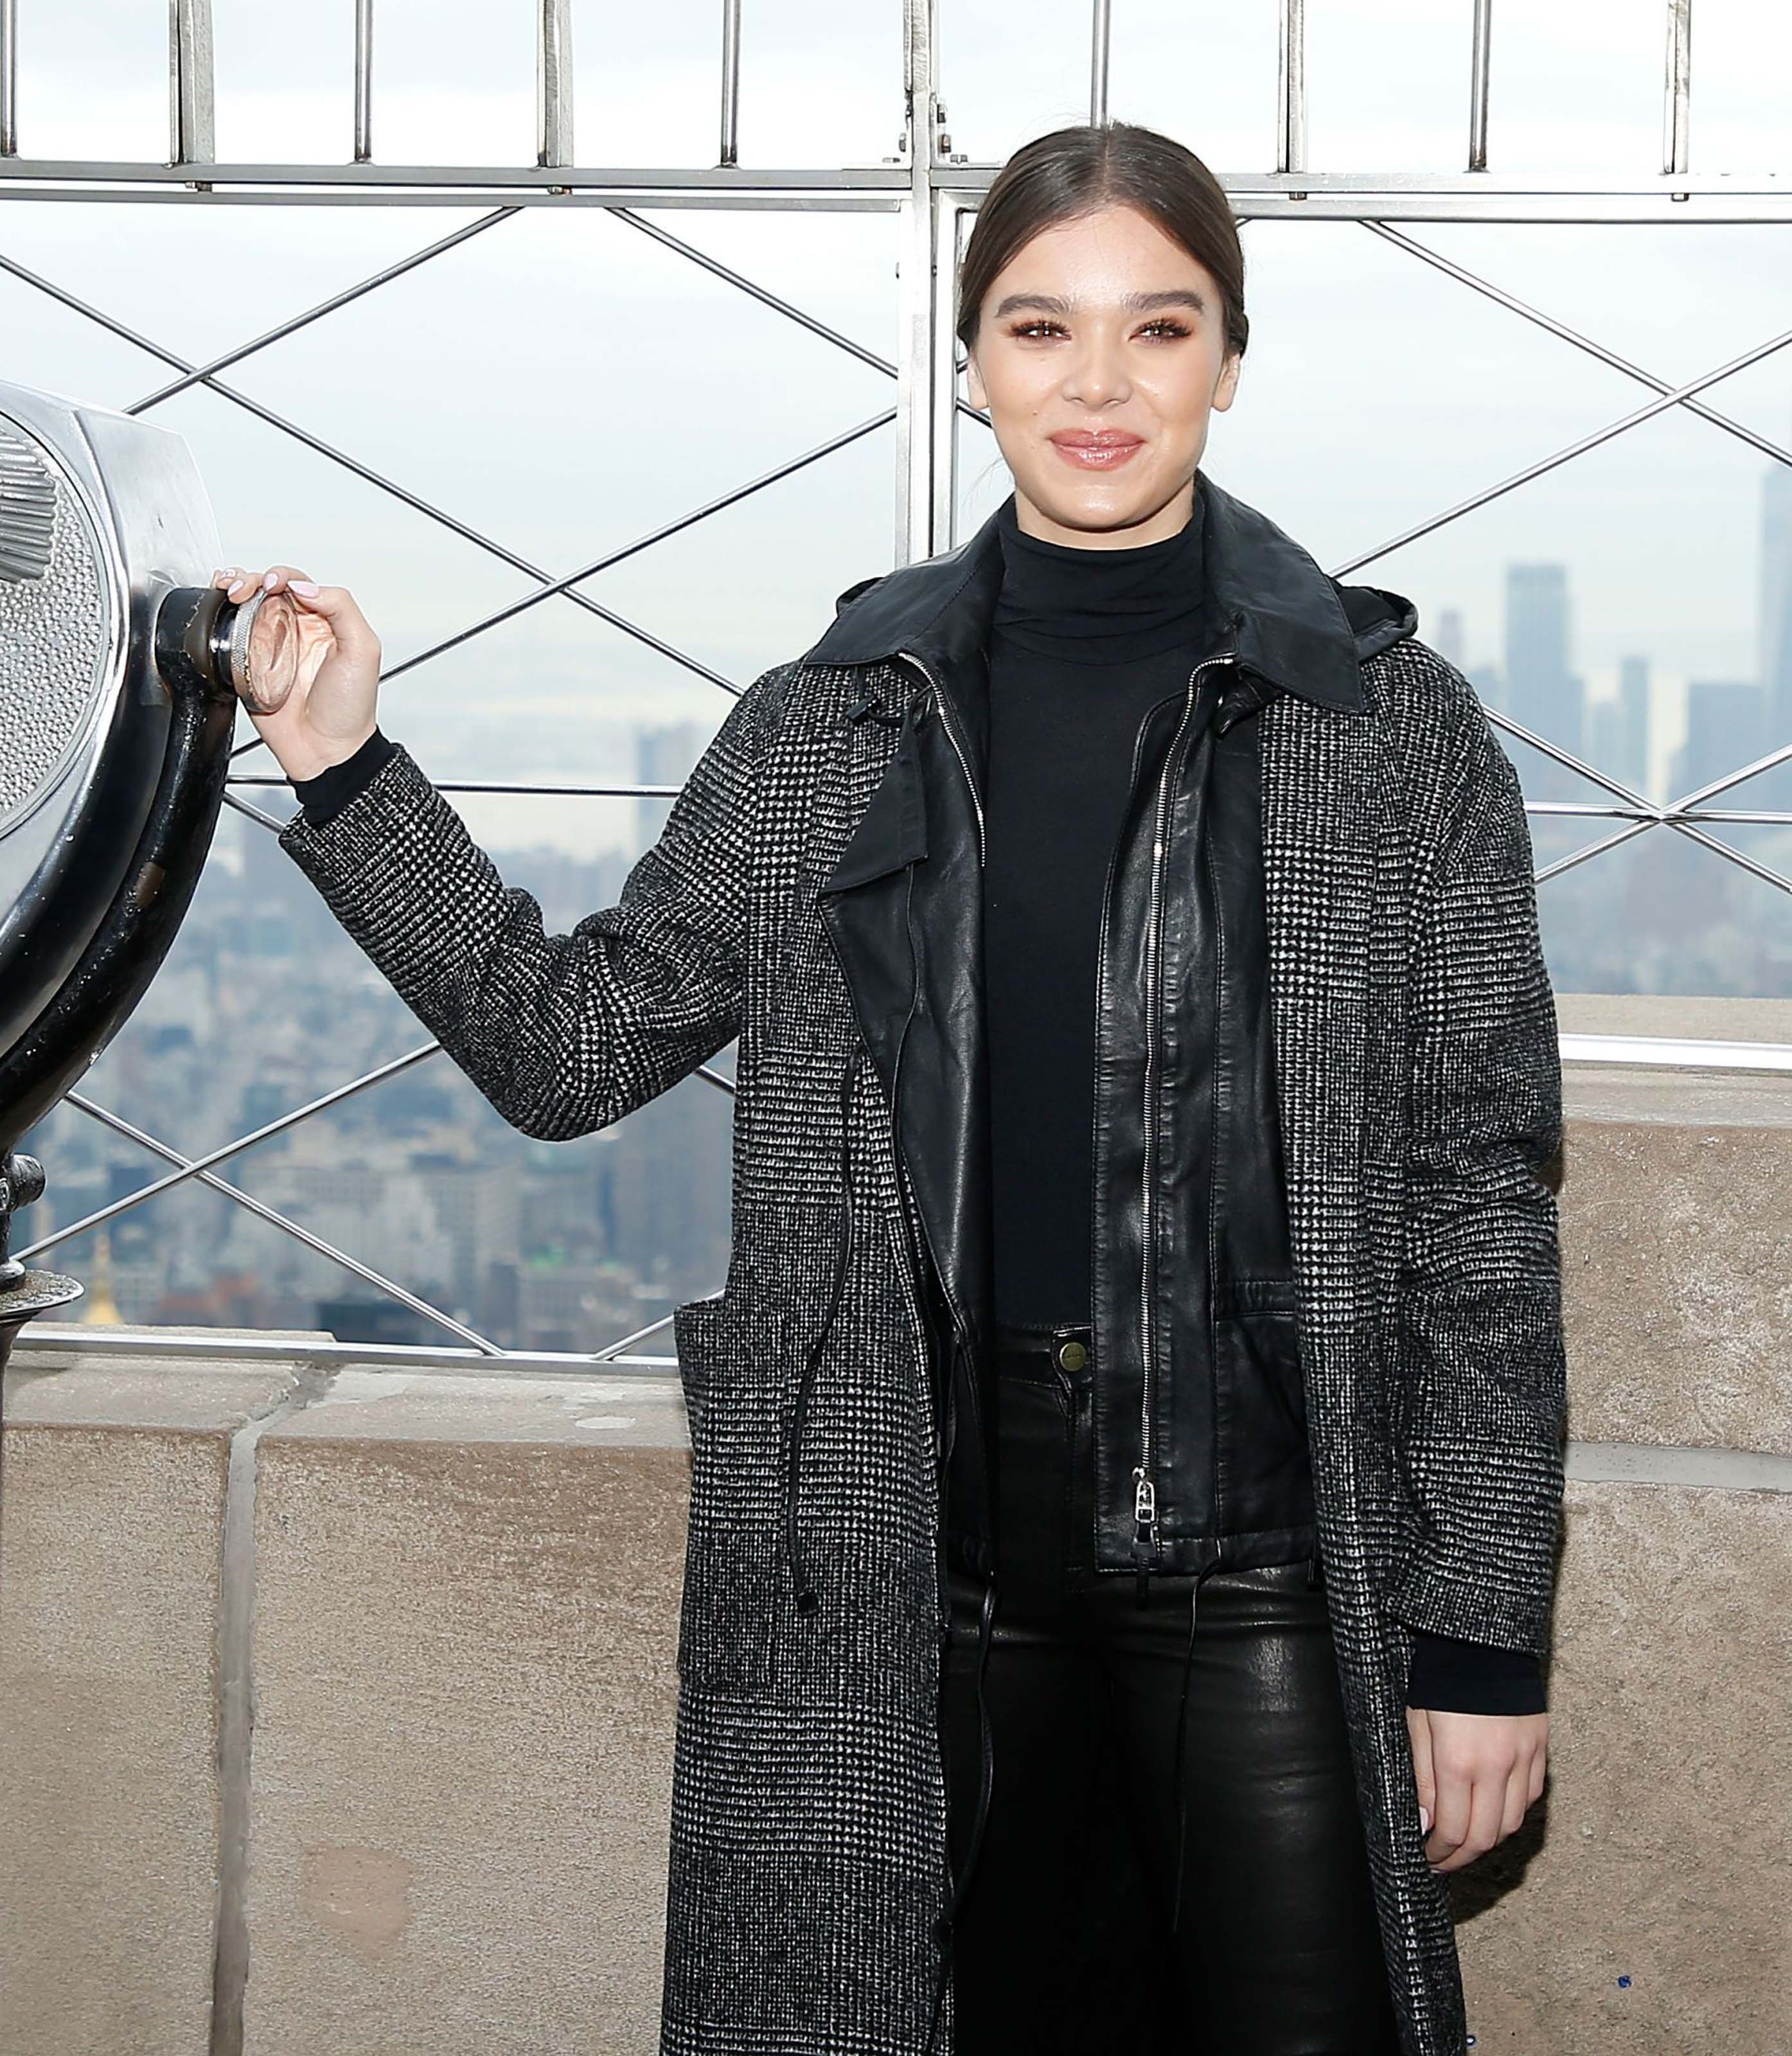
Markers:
<point>974,382</point>
<point>1227,382</point>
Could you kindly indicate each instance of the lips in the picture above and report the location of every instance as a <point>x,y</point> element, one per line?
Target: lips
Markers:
<point>1096,449</point>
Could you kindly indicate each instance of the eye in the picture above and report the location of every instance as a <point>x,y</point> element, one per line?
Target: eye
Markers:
<point>1166,327</point>
<point>1034,327</point>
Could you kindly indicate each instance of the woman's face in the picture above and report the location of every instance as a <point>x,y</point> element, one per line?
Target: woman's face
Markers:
<point>1102,328</point>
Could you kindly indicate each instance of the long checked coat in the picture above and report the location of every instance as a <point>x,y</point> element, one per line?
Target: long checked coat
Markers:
<point>1420,1097</point>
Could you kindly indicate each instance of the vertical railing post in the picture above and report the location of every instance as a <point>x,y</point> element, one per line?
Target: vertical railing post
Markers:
<point>553,82</point>
<point>1677,91</point>
<point>917,265</point>
<point>363,81</point>
<point>9,78</point>
<point>1101,28</point>
<point>191,134</point>
<point>1291,88</point>
<point>1478,84</point>
<point>730,83</point>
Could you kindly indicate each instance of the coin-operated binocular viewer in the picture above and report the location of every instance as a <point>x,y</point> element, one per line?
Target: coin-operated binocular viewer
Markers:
<point>121,665</point>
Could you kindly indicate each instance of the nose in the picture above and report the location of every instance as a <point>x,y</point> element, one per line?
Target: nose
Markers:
<point>1097,373</point>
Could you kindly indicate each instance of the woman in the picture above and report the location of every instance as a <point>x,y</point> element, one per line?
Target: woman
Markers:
<point>1125,1455</point>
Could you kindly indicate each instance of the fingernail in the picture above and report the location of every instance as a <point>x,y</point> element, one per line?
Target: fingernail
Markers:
<point>268,578</point>
<point>309,587</point>
<point>1424,1818</point>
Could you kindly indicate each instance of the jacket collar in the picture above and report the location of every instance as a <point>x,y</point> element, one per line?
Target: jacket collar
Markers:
<point>1292,624</point>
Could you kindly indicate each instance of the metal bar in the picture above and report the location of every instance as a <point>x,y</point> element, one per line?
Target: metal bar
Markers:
<point>363,81</point>
<point>1592,849</point>
<point>255,813</point>
<point>917,289</point>
<point>1587,442</point>
<point>846,186</point>
<point>768,299</point>
<point>1709,199</point>
<point>191,134</point>
<point>1414,248</point>
<point>201,372</point>
<point>715,506</point>
<point>1291,87</point>
<point>372,477</point>
<point>1724,817</point>
<point>553,82</point>
<point>9,78</point>
<point>1677,88</point>
<point>1480,52</point>
<point>731,149</point>
<point>1766,763</point>
<point>943,424</point>
<point>275,1219</point>
<point>1101,34</point>
<point>303,1349</point>
<point>215,1157</point>
<point>1676,1052</point>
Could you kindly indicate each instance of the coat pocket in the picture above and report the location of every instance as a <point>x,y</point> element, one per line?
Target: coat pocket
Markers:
<point>732,1359</point>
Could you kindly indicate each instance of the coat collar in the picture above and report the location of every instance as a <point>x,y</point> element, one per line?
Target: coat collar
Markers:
<point>1293,625</point>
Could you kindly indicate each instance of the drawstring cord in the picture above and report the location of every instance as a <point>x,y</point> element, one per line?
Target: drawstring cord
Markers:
<point>1181,1735</point>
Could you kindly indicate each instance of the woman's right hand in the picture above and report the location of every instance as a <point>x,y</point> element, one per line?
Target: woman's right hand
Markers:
<point>313,653</point>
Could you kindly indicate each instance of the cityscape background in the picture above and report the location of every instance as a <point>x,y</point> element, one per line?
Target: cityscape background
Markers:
<point>562,384</point>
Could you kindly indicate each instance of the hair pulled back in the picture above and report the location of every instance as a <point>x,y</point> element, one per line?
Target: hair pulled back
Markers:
<point>1074,172</point>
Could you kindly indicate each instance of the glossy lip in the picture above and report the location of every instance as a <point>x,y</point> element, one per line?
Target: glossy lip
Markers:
<point>1090,452</point>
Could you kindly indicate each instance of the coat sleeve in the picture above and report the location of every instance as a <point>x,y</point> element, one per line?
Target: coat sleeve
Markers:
<point>1481,1401</point>
<point>564,1035</point>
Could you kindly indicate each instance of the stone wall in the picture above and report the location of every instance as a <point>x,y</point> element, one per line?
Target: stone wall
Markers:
<point>338,1701</point>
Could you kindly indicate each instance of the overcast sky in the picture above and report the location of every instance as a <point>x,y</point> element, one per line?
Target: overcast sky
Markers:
<point>565,384</point>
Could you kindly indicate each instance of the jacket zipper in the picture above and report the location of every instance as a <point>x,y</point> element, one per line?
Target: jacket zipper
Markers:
<point>1146,1540</point>
<point>947,721</point>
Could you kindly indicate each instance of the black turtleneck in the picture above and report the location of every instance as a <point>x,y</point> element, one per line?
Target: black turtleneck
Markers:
<point>1084,640</point>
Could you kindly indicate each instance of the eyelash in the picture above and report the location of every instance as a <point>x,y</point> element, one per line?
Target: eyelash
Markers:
<point>1026,329</point>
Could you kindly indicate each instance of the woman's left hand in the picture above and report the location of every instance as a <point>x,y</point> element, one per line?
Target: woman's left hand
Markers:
<point>1477,1775</point>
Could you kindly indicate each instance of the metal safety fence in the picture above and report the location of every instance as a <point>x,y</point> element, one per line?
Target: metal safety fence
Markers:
<point>932,192</point>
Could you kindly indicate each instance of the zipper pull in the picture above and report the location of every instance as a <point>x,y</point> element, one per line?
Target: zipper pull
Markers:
<point>1145,1497</point>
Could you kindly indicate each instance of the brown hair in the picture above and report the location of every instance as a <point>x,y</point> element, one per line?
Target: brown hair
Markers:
<point>1074,172</point>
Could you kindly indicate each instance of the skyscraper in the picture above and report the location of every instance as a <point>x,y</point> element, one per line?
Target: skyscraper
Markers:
<point>1540,692</point>
<point>1618,730</point>
<point>1775,624</point>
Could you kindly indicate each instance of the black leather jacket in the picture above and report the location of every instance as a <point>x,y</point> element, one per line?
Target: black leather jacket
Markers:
<point>1199,1418</point>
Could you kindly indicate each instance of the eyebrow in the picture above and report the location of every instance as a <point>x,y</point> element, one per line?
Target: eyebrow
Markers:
<point>1054,303</point>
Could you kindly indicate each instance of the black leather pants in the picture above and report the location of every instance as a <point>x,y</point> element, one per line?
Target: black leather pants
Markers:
<point>1239,1922</point>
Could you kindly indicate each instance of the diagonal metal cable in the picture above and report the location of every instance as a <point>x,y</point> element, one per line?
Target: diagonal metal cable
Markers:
<point>287,1226</point>
<point>729,499</point>
<point>768,299</point>
<point>1668,397</point>
<point>1693,405</point>
<point>192,1167</point>
<point>203,373</point>
<point>353,464</point>
<point>1571,450</point>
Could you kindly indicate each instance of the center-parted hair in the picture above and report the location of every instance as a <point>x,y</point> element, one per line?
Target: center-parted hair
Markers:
<point>1074,172</point>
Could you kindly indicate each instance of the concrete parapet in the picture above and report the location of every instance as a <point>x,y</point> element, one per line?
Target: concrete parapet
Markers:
<point>347,1695</point>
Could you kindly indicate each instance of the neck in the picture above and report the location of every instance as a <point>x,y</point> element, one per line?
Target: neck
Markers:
<point>1167,520</point>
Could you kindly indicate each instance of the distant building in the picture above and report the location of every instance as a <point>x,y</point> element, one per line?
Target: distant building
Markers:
<point>1725,727</point>
<point>1775,625</point>
<point>1541,693</point>
<point>663,756</point>
<point>1618,729</point>
<point>1447,639</point>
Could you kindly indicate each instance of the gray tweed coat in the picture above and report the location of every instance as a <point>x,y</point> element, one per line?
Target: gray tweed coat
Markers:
<point>1416,1044</point>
